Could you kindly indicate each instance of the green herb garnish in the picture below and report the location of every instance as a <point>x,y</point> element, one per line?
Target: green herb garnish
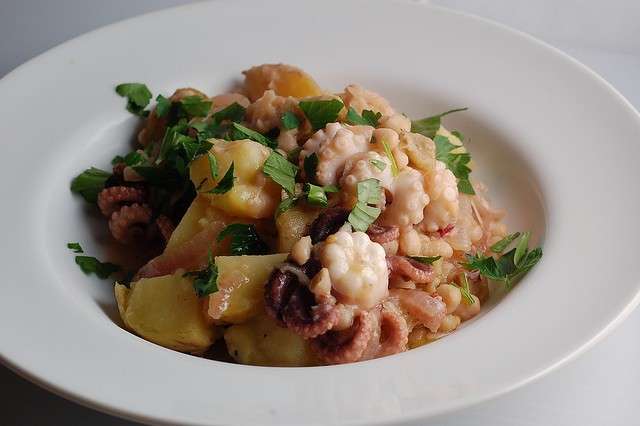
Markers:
<point>225,184</point>
<point>195,106</point>
<point>138,97</point>
<point>310,165</point>
<point>213,166</point>
<point>89,265</point>
<point>458,163</point>
<point>289,121</point>
<point>427,260</point>
<point>89,183</point>
<point>234,112</point>
<point>380,165</point>
<point>75,247</point>
<point>319,113</point>
<point>281,171</point>
<point>392,159</point>
<point>467,296</point>
<point>429,126</point>
<point>316,195</point>
<point>364,214</point>
<point>368,117</point>
<point>244,239</point>
<point>206,281</point>
<point>241,132</point>
<point>504,243</point>
<point>163,106</point>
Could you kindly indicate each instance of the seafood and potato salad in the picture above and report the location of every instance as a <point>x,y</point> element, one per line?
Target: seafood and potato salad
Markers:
<point>292,226</point>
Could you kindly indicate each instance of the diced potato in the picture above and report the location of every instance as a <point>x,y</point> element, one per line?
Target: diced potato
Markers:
<point>294,224</point>
<point>285,80</point>
<point>262,342</point>
<point>253,194</point>
<point>241,281</point>
<point>198,216</point>
<point>166,310</point>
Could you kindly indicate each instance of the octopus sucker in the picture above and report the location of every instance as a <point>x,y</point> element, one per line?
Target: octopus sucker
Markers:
<point>341,347</point>
<point>113,198</point>
<point>130,222</point>
<point>410,269</point>
<point>383,234</point>
<point>305,318</point>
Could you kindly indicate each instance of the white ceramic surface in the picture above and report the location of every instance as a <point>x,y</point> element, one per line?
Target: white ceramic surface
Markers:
<point>554,141</point>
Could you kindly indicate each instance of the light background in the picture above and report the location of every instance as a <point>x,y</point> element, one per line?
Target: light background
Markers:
<point>600,387</point>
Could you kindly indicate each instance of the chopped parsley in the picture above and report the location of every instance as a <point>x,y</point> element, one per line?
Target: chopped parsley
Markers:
<point>504,243</point>
<point>241,132</point>
<point>316,195</point>
<point>319,113</point>
<point>195,106</point>
<point>75,247</point>
<point>458,163</point>
<point>467,296</point>
<point>392,159</point>
<point>134,158</point>
<point>380,165</point>
<point>89,183</point>
<point>91,265</point>
<point>364,214</point>
<point>368,117</point>
<point>163,106</point>
<point>281,171</point>
<point>225,184</point>
<point>429,126</point>
<point>508,267</point>
<point>213,165</point>
<point>244,239</point>
<point>289,121</point>
<point>427,260</point>
<point>286,204</point>
<point>310,165</point>
<point>206,281</point>
<point>138,97</point>
<point>234,112</point>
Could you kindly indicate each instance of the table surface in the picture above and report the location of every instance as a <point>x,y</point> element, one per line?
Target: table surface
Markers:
<point>600,387</point>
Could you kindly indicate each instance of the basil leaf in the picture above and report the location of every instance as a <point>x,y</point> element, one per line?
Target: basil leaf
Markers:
<point>75,247</point>
<point>310,165</point>
<point>429,126</point>
<point>289,121</point>
<point>225,184</point>
<point>504,243</point>
<point>242,132</point>
<point>234,112</point>
<point>195,106</point>
<point>319,113</point>
<point>427,260</point>
<point>163,106</point>
<point>138,97</point>
<point>244,239</point>
<point>281,171</point>
<point>89,183</point>
<point>91,265</point>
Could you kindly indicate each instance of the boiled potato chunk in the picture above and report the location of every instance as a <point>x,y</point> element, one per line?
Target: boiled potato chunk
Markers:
<point>166,310</point>
<point>241,281</point>
<point>253,194</point>
<point>262,342</point>
<point>294,224</point>
<point>198,216</point>
<point>284,80</point>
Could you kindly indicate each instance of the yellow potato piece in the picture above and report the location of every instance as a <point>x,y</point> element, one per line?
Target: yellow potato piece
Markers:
<point>262,342</point>
<point>166,310</point>
<point>285,80</point>
<point>294,224</point>
<point>241,281</point>
<point>253,194</point>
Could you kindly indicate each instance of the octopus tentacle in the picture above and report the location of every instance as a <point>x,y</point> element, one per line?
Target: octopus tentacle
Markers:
<point>113,198</point>
<point>165,226</point>
<point>341,347</point>
<point>383,234</point>
<point>394,334</point>
<point>306,319</point>
<point>278,291</point>
<point>125,224</point>
<point>327,223</point>
<point>408,268</point>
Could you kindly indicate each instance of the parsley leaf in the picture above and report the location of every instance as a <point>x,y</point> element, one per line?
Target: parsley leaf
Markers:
<point>225,184</point>
<point>380,165</point>
<point>206,281</point>
<point>289,121</point>
<point>504,243</point>
<point>89,264</point>
<point>75,247</point>
<point>244,239</point>
<point>281,171</point>
<point>368,117</point>
<point>134,158</point>
<point>430,125</point>
<point>310,165</point>
<point>458,163</point>
<point>286,204</point>
<point>213,165</point>
<point>521,248</point>
<point>319,113</point>
<point>234,112</point>
<point>363,214</point>
<point>89,183</point>
<point>389,154</point>
<point>163,106</point>
<point>427,260</point>
<point>242,132</point>
<point>138,97</point>
<point>195,106</point>
<point>316,195</point>
<point>458,135</point>
<point>467,296</point>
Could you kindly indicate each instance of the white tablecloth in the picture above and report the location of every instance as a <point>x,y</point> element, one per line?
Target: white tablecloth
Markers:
<point>600,387</point>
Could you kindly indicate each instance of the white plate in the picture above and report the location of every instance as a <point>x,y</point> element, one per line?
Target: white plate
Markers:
<point>557,145</point>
